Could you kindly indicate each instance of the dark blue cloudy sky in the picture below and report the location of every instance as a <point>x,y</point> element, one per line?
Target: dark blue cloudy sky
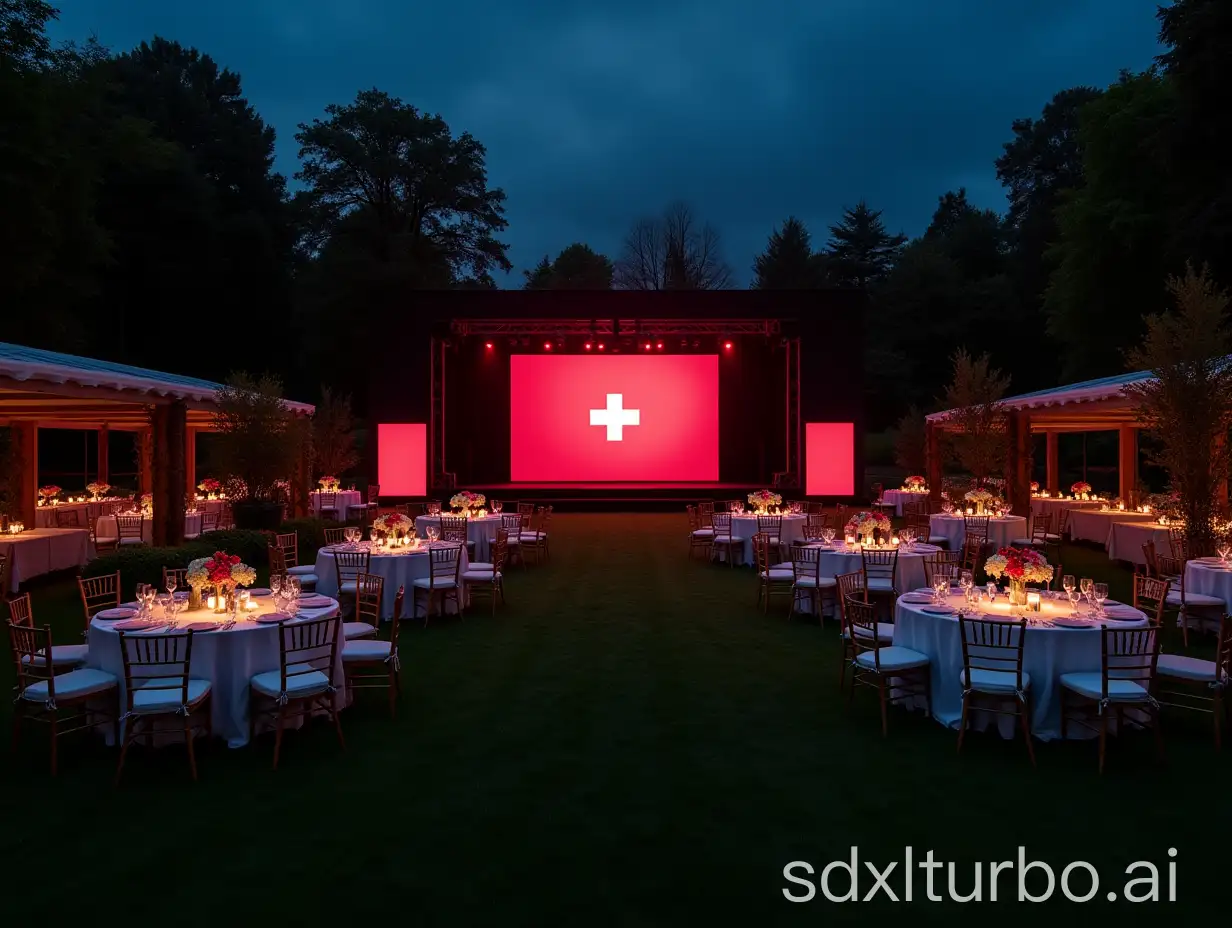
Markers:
<point>596,113</point>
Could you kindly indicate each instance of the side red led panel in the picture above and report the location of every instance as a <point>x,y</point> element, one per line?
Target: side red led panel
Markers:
<point>830,459</point>
<point>402,458</point>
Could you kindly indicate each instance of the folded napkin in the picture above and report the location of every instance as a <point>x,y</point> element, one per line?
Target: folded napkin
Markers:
<point>114,615</point>
<point>273,618</point>
<point>135,625</point>
<point>200,627</point>
<point>315,602</point>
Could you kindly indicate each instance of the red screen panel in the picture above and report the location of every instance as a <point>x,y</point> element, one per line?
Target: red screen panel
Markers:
<point>830,458</point>
<point>577,418</point>
<point>402,458</point>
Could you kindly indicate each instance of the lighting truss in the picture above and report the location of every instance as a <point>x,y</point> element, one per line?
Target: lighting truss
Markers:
<point>631,328</point>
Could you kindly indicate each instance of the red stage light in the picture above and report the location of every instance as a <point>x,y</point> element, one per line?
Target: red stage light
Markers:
<point>547,346</point>
<point>619,417</point>
<point>600,346</point>
<point>648,346</point>
<point>660,346</point>
<point>588,346</point>
<point>727,346</point>
<point>488,345</point>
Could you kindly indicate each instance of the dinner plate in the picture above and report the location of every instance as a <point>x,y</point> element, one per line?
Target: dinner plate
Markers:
<point>273,618</point>
<point>136,625</point>
<point>114,615</point>
<point>1065,621</point>
<point>917,598</point>
<point>200,627</point>
<point>939,610</point>
<point>260,591</point>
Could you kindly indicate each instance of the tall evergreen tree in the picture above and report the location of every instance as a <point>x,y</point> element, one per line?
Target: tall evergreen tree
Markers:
<point>577,267</point>
<point>860,250</point>
<point>788,263</point>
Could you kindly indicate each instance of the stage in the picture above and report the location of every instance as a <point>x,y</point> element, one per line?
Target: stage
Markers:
<point>623,497</point>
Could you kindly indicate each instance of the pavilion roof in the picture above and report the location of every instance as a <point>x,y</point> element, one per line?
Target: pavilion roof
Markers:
<point>1088,400</point>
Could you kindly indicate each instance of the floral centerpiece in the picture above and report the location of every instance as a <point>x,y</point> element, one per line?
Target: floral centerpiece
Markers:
<point>762,500</point>
<point>1081,489</point>
<point>50,493</point>
<point>980,497</point>
<point>864,525</point>
<point>146,502</point>
<point>1034,486</point>
<point>209,486</point>
<point>226,572</point>
<point>914,483</point>
<point>329,484</point>
<point>465,501</point>
<point>196,577</point>
<point>392,524</point>
<point>97,488</point>
<point>1020,566</point>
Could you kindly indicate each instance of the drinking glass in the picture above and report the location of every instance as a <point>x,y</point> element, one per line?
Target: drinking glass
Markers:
<point>1223,551</point>
<point>991,590</point>
<point>276,585</point>
<point>1074,595</point>
<point>497,506</point>
<point>1087,586</point>
<point>295,590</point>
<point>1067,582</point>
<point>827,534</point>
<point>967,580</point>
<point>941,583</point>
<point>171,584</point>
<point>1100,593</point>
<point>433,534</point>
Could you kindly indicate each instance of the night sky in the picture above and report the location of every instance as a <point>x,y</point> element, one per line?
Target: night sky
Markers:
<point>595,114</point>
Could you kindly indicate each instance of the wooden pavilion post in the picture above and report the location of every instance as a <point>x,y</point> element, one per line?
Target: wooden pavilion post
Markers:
<point>932,457</point>
<point>104,453</point>
<point>1221,485</point>
<point>1018,461</point>
<point>25,439</point>
<point>169,423</point>
<point>145,459</point>
<point>190,462</point>
<point>1127,461</point>
<point>1053,462</point>
<point>300,506</point>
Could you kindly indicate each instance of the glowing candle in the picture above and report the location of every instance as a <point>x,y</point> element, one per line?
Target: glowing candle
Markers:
<point>211,603</point>
<point>894,541</point>
<point>1033,602</point>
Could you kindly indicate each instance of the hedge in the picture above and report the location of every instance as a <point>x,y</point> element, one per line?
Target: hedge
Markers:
<point>311,535</point>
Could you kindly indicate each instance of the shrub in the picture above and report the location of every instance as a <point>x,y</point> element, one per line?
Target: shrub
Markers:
<point>311,533</point>
<point>252,547</point>
<point>141,564</point>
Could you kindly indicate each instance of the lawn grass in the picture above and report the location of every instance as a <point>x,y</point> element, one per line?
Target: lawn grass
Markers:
<point>629,743</point>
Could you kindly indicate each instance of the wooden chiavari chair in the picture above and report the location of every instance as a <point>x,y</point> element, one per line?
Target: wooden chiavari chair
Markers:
<point>992,673</point>
<point>808,583</point>
<point>443,580</point>
<point>209,521</point>
<point>335,536</point>
<point>226,518</point>
<point>918,522</point>
<point>814,524</point>
<point>880,571</point>
<point>453,530</point>
<point>368,509</point>
<point>972,550</point>
<point>158,686</point>
<point>773,578</point>
<point>131,529</point>
<point>348,565</point>
<point>68,518</point>
<point>1178,543</point>
<point>58,700</point>
<point>772,526</point>
<point>511,525</point>
<point>1196,609</point>
<point>63,656</point>
<point>327,507</point>
<point>976,527</point>
<point>277,562</point>
<point>369,595</point>
<point>875,663</point>
<point>490,577</point>
<point>373,664</point>
<point>1041,534</point>
<point>723,540</point>
<point>699,537</point>
<point>303,682</point>
<point>943,563</point>
<point>535,540</point>
<point>1150,595</point>
<point>705,513</point>
<point>97,594</point>
<point>1126,680</point>
<point>851,586</point>
<point>1199,685</point>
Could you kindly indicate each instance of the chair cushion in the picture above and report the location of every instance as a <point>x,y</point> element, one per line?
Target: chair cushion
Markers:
<point>885,633</point>
<point>424,583</point>
<point>1201,600</point>
<point>816,583</point>
<point>778,573</point>
<point>534,536</point>
<point>938,540</point>
<point>893,658</point>
<point>1089,685</point>
<point>1021,542</point>
<point>1181,667</point>
<point>352,630</point>
<point>347,586</point>
<point>366,650</point>
<point>480,565</point>
<point>994,681</point>
<point>153,701</point>
<point>301,570</point>
<point>328,509</point>
<point>62,655</point>
<point>480,576</point>
<point>703,533</point>
<point>1051,537</point>
<point>191,536</point>
<point>132,541</point>
<point>880,585</point>
<point>300,686</point>
<point>72,685</point>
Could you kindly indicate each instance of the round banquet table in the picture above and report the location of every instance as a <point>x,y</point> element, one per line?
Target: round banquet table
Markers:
<point>345,500</point>
<point>744,527</point>
<point>106,531</point>
<point>838,559</point>
<point>1125,540</point>
<point>1048,652</point>
<point>1055,506</point>
<point>1096,524</point>
<point>1001,531</point>
<point>45,516</point>
<point>228,659</point>
<point>400,569</point>
<point>1210,577</point>
<point>480,531</point>
<point>896,498</point>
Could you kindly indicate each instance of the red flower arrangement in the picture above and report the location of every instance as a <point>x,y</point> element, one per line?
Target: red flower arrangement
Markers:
<point>218,568</point>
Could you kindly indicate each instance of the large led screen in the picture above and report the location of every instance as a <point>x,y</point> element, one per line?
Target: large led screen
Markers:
<point>587,418</point>
<point>829,452</point>
<point>402,458</point>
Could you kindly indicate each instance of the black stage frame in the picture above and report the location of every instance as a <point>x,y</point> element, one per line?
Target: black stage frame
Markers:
<point>821,332</point>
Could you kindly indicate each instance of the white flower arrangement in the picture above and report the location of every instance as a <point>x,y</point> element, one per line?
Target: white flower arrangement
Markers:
<point>864,524</point>
<point>97,489</point>
<point>467,500</point>
<point>243,575</point>
<point>1022,565</point>
<point>915,483</point>
<point>329,484</point>
<point>392,523</point>
<point>195,576</point>
<point>979,495</point>
<point>762,500</point>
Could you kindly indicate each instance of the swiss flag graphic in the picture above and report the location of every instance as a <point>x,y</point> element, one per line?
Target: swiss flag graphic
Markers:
<point>578,418</point>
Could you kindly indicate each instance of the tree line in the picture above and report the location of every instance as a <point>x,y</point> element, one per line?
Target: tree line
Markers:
<point>143,216</point>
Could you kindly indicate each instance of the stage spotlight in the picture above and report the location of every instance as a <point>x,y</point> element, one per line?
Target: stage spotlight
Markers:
<point>488,345</point>
<point>727,346</point>
<point>600,346</point>
<point>660,346</point>
<point>547,346</point>
<point>648,346</point>
<point>587,346</point>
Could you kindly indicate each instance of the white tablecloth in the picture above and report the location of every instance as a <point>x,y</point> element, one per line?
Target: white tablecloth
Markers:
<point>45,516</point>
<point>1125,540</point>
<point>896,498</point>
<point>40,551</point>
<point>228,659</point>
<point>481,531</point>
<point>345,499</point>
<point>791,530</point>
<point>1048,653</point>
<point>106,530</point>
<point>1096,525</point>
<point>1001,532</point>
<point>397,569</point>
<point>1208,579</point>
<point>909,572</point>
<point>1055,507</point>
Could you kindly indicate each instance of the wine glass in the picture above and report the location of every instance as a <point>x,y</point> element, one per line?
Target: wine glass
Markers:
<point>827,535</point>
<point>991,589</point>
<point>171,584</point>
<point>967,580</point>
<point>433,533</point>
<point>1087,586</point>
<point>941,583</point>
<point>1100,593</point>
<point>276,585</point>
<point>294,584</point>
<point>1223,550</point>
<point>167,602</point>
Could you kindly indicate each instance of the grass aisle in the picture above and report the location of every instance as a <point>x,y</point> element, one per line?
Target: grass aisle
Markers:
<point>630,742</point>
